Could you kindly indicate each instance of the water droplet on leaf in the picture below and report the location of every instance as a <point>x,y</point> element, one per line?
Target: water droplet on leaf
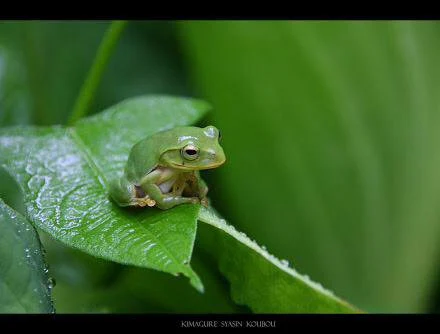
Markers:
<point>51,282</point>
<point>285,262</point>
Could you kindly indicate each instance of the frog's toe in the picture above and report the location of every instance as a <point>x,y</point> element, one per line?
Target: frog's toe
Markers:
<point>151,202</point>
<point>195,200</point>
<point>205,202</point>
<point>145,201</point>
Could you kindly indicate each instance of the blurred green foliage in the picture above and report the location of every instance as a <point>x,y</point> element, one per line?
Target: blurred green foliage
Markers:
<point>332,132</point>
<point>50,60</point>
<point>330,129</point>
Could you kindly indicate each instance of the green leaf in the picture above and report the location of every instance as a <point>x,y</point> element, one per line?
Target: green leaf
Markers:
<point>331,131</point>
<point>263,282</point>
<point>24,284</point>
<point>63,173</point>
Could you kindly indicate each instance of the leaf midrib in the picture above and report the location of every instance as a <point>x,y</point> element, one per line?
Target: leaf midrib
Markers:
<point>170,255</point>
<point>84,150</point>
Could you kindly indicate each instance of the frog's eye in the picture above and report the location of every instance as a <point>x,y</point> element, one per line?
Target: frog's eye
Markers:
<point>190,152</point>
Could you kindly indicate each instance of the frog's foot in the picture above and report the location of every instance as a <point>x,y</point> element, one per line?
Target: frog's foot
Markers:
<point>205,202</point>
<point>195,200</point>
<point>145,201</point>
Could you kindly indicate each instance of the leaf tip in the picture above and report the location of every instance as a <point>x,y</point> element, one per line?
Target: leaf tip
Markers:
<point>196,282</point>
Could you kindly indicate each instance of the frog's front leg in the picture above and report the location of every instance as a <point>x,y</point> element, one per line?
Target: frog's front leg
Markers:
<point>179,185</point>
<point>203,190</point>
<point>163,201</point>
<point>197,187</point>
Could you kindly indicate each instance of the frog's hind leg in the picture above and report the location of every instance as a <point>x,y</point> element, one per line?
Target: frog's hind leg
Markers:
<point>125,193</point>
<point>122,192</point>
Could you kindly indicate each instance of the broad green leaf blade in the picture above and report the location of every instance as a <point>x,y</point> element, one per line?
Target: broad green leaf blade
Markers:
<point>24,284</point>
<point>63,174</point>
<point>333,128</point>
<point>263,282</point>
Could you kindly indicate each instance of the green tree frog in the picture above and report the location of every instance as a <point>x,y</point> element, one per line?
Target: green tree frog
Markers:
<point>163,169</point>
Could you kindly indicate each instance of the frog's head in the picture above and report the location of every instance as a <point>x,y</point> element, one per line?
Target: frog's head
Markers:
<point>194,149</point>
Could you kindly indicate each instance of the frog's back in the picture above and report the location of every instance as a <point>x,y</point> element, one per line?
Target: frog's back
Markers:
<point>145,155</point>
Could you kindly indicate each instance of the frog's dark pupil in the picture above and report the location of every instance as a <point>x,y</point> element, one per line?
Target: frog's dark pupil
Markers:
<point>191,152</point>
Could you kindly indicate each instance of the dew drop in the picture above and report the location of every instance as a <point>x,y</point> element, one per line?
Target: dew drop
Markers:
<point>285,262</point>
<point>51,282</point>
<point>27,253</point>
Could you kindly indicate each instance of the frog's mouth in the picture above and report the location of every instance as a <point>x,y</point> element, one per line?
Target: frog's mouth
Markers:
<point>189,167</point>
